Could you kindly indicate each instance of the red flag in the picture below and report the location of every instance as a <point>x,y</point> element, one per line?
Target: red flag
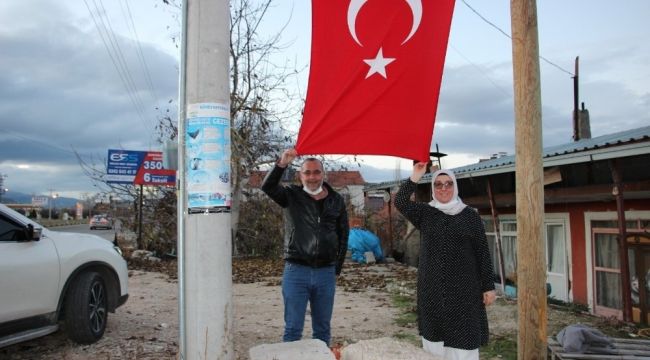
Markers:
<point>376,68</point>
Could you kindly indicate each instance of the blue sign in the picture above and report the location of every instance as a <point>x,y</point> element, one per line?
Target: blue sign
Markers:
<point>122,165</point>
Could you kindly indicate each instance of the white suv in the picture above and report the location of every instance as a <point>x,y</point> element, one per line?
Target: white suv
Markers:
<point>49,278</point>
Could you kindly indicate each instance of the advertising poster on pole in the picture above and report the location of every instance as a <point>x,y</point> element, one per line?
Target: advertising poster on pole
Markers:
<point>207,142</point>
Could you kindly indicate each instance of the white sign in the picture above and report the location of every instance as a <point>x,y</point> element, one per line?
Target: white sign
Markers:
<point>40,200</point>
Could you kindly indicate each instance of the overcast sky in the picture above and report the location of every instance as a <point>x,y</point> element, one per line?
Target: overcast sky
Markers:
<point>60,91</point>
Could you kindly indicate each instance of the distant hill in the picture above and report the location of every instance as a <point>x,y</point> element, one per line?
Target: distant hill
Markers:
<point>22,198</point>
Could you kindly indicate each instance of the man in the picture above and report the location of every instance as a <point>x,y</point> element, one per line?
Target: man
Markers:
<point>315,242</point>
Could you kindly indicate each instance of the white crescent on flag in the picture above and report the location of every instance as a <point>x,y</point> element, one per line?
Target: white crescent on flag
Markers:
<point>356,5</point>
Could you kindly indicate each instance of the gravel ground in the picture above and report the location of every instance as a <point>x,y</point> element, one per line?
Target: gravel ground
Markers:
<point>146,327</point>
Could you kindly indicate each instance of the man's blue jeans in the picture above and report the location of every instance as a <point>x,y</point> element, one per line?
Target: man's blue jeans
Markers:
<point>301,284</point>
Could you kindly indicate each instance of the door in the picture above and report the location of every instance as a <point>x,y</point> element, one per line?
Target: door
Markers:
<point>29,275</point>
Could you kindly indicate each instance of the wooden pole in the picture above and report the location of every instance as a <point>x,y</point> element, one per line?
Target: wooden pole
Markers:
<point>617,191</point>
<point>140,212</point>
<point>531,269</point>
<point>576,100</point>
<point>498,248</point>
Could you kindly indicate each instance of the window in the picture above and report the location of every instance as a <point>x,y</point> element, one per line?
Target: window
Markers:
<point>488,224</point>
<point>555,246</point>
<point>376,203</point>
<point>555,253</point>
<point>607,265</point>
<point>607,273</point>
<point>509,247</point>
<point>9,230</point>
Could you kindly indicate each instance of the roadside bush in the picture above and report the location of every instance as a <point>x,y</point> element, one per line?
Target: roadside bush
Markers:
<point>261,227</point>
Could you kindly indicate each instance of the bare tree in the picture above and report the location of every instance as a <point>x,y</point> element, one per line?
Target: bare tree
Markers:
<point>263,105</point>
<point>259,91</point>
<point>262,102</point>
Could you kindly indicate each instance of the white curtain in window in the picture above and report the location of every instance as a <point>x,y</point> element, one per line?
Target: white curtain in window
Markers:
<point>509,245</point>
<point>607,251</point>
<point>556,253</point>
<point>608,292</point>
<point>608,284</point>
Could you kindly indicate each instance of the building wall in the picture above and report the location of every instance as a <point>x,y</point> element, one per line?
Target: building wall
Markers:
<point>580,251</point>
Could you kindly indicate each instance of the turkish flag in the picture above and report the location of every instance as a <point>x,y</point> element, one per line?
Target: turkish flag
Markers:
<point>376,68</point>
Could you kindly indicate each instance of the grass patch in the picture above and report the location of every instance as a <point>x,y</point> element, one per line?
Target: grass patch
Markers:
<point>406,319</point>
<point>403,301</point>
<point>502,347</point>
<point>571,307</point>
<point>408,309</point>
<point>408,337</point>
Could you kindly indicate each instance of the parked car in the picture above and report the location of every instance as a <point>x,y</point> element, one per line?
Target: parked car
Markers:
<point>101,221</point>
<point>50,279</point>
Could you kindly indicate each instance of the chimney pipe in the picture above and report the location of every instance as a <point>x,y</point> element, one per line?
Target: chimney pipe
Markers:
<point>584,127</point>
<point>576,134</point>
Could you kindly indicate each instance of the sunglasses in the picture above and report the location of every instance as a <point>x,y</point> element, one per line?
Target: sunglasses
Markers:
<point>443,185</point>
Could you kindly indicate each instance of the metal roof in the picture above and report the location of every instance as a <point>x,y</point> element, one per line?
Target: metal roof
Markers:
<point>621,144</point>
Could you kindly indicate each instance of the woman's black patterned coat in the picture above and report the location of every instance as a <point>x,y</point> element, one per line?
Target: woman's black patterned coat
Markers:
<point>454,271</point>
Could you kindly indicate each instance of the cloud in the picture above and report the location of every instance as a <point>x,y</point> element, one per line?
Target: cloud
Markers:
<point>60,93</point>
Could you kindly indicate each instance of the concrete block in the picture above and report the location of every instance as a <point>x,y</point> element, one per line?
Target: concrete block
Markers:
<point>312,349</point>
<point>370,257</point>
<point>385,349</point>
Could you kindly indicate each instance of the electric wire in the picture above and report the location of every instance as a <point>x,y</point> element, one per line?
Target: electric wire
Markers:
<point>510,37</point>
<point>119,64</point>
<point>143,62</point>
<point>482,72</point>
<point>39,142</point>
<point>120,56</point>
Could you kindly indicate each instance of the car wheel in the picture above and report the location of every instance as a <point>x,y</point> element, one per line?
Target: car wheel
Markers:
<point>86,311</point>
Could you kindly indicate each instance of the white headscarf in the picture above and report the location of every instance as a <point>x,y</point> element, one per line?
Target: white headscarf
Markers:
<point>455,205</point>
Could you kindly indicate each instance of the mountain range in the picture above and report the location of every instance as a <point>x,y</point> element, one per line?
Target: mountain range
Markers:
<point>22,198</point>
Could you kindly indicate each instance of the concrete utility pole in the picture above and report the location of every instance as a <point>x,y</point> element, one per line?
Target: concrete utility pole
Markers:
<point>3,190</point>
<point>531,269</point>
<point>50,200</point>
<point>205,264</point>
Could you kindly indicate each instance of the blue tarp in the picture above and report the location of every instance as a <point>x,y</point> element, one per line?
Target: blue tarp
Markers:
<point>360,241</point>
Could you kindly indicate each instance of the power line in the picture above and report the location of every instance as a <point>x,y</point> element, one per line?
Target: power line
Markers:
<point>40,142</point>
<point>46,144</point>
<point>143,62</point>
<point>510,37</point>
<point>117,58</point>
<point>480,70</point>
<point>120,56</point>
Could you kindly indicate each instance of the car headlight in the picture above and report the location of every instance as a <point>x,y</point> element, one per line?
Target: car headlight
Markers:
<point>117,248</point>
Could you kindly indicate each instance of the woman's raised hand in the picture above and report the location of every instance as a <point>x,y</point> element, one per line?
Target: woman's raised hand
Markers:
<point>418,171</point>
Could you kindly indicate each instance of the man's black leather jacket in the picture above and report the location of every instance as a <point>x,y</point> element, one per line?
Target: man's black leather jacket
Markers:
<point>311,237</point>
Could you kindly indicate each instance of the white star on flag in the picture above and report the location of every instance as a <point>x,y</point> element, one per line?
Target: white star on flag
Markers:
<point>378,64</point>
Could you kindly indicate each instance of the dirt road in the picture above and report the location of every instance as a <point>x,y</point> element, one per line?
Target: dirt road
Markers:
<point>146,327</point>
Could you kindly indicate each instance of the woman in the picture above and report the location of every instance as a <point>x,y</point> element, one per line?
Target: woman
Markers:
<point>455,277</point>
